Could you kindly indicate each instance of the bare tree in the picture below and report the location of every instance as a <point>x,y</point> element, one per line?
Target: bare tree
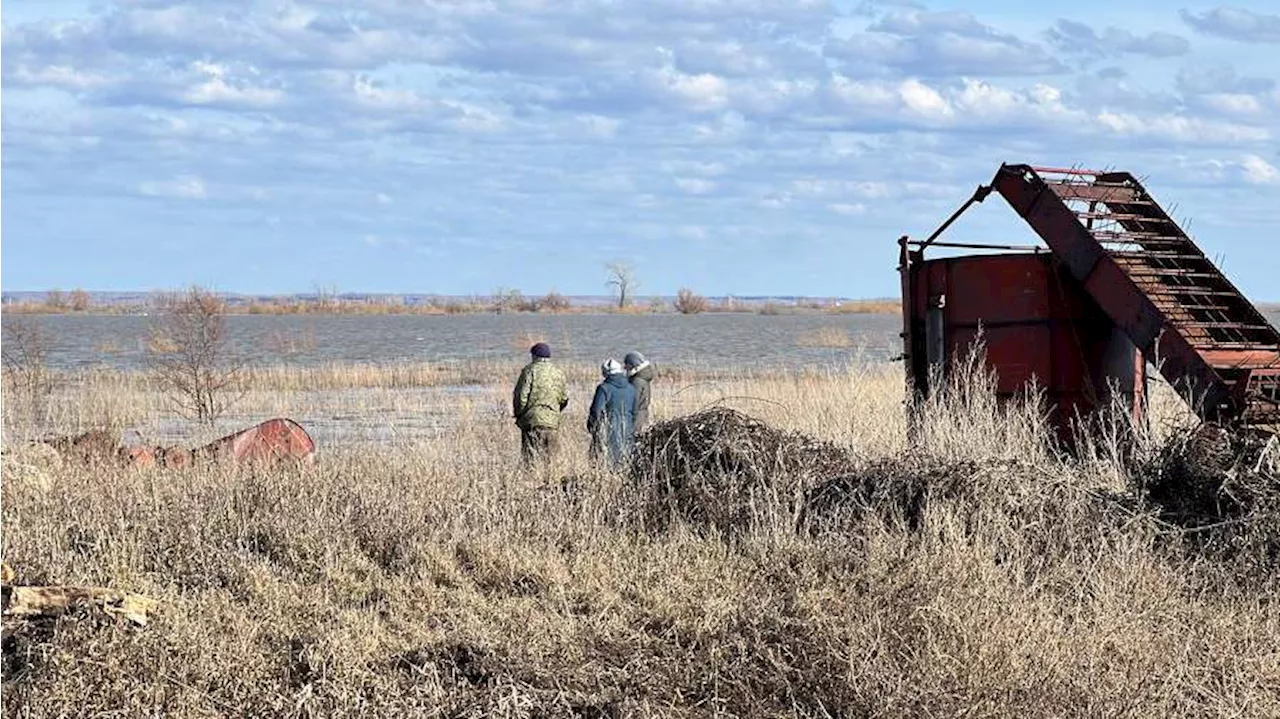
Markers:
<point>55,299</point>
<point>507,300</point>
<point>191,356</point>
<point>328,299</point>
<point>25,352</point>
<point>622,277</point>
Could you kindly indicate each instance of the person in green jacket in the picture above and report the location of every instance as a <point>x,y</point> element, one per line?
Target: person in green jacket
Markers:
<point>540,395</point>
<point>641,374</point>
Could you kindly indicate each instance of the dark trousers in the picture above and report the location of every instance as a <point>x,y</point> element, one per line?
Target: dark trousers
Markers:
<point>537,443</point>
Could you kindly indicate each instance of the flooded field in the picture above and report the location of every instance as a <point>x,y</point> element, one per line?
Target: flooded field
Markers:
<point>738,339</point>
<point>743,340</point>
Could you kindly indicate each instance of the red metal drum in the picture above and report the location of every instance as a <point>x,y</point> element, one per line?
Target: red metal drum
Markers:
<point>270,441</point>
<point>1035,323</point>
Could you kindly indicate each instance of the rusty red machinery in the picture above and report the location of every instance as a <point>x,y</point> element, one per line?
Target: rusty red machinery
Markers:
<point>1116,285</point>
<point>272,441</point>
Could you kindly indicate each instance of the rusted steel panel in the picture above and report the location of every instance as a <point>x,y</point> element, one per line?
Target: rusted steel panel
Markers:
<point>274,439</point>
<point>999,289</point>
<point>1036,326</point>
<point>1223,359</point>
<point>1009,352</point>
<point>1054,222</point>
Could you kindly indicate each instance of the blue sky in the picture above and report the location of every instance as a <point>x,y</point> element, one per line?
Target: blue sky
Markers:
<point>459,146</point>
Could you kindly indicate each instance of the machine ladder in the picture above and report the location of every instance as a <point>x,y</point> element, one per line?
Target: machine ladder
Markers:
<point>1178,308</point>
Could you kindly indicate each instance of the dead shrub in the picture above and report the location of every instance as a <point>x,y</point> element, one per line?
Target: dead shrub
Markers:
<point>690,303</point>
<point>191,357</point>
<point>25,357</point>
<point>1219,492</point>
<point>552,302</point>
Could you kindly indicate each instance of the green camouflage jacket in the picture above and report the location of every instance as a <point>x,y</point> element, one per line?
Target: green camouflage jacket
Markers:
<point>541,394</point>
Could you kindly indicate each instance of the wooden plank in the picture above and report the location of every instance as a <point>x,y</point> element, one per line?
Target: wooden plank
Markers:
<point>30,602</point>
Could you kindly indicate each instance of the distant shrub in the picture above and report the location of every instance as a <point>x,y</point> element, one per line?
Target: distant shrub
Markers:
<point>80,300</point>
<point>56,300</point>
<point>552,302</point>
<point>689,303</point>
<point>505,300</point>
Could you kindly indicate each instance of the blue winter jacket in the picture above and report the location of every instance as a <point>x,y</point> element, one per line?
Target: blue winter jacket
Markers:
<point>611,419</point>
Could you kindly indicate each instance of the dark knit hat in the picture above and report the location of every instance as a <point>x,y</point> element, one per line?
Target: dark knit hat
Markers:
<point>633,359</point>
<point>541,350</point>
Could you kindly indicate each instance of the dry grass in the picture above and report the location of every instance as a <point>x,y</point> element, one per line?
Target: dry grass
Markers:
<point>864,307</point>
<point>432,577</point>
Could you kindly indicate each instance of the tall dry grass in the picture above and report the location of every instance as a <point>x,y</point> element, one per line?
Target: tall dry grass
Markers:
<point>434,577</point>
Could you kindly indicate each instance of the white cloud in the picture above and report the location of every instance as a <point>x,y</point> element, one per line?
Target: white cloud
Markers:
<point>696,93</point>
<point>474,118</point>
<point>1258,171</point>
<point>537,119</point>
<point>849,209</point>
<point>1077,38</point>
<point>695,185</point>
<point>599,125</point>
<point>701,169</point>
<point>923,43</point>
<point>219,88</point>
<point>924,101</point>
<point>1178,128</point>
<point>775,201</point>
<point>1236,24</point>
<point>185,187</point>
<point>369,94</point>
<point>693,232</point>
<point>59,76</point>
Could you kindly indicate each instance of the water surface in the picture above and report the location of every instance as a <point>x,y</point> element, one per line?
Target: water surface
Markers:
<point>78,341</point>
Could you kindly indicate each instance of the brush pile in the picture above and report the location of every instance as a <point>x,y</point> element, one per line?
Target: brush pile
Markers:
<point>896,488</point>
<point>721,468</point>
<point>1222,490</point>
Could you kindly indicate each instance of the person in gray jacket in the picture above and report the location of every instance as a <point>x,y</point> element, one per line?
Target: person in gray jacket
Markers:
<point>641,374</point>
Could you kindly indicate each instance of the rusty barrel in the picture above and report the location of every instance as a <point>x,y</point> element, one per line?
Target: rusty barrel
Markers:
<point>1035,324</point>
<point>273,440</point>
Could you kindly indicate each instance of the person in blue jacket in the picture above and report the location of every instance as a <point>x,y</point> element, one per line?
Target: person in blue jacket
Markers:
<point>611,420</point>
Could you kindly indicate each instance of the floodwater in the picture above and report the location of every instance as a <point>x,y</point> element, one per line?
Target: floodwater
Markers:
<point>741,340</point>
<point>338,417</point>
<point>80,341</point>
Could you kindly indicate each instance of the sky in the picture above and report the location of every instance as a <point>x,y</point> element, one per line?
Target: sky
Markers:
<point>756,147</point>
